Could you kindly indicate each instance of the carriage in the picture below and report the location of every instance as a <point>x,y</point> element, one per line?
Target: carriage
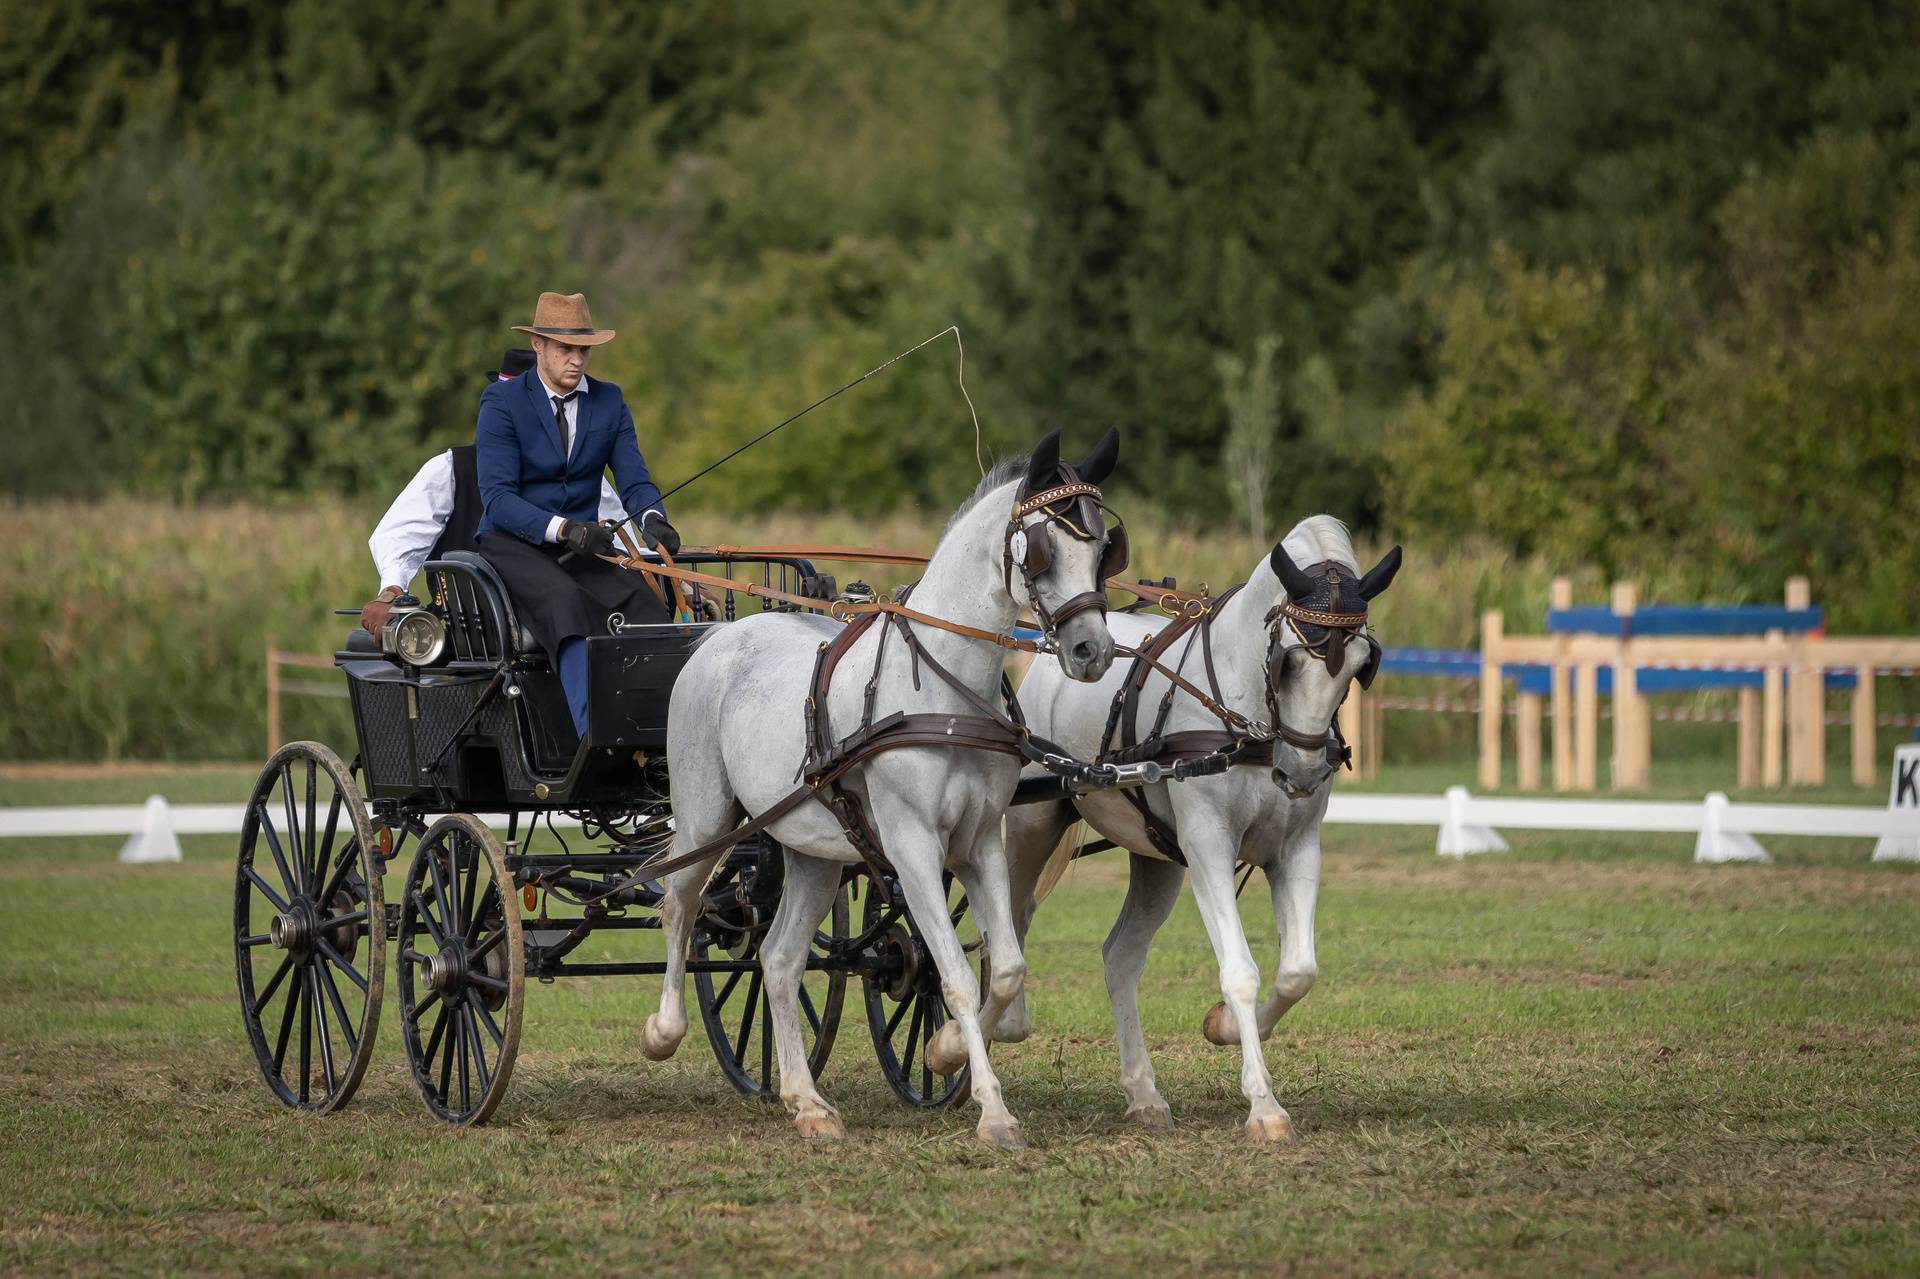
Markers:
<point>465,748</point>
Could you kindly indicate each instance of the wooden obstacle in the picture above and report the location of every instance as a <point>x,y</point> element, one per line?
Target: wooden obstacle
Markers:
<point>1781,673</point>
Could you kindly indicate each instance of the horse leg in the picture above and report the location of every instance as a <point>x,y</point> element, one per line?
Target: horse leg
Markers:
<point>662,1032</point>
<point>1152,888</point>
<point>918,864</point>
<point>1210,859</point>
<point>1294,892</point>
<point>1032,832</point>
<point>984,876</point>
<point>805,898</point>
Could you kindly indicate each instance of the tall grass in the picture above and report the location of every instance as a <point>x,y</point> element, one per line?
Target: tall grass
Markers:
<point>135,630</point>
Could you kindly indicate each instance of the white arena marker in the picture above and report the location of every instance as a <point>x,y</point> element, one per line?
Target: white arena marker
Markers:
<point>1457,838</point>
<point>1718,844</point>
<point>155,840</point>
<point>1903,797</point>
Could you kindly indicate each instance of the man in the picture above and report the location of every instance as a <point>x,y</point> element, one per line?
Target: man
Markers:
<point>439,511</point>
<point>541,442</point>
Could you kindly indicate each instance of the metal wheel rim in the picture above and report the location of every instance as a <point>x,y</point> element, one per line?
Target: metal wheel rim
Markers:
<point>463,1062</point>
<point>901,1028</point>
<point>320,891</point>
<point>754,1074</point>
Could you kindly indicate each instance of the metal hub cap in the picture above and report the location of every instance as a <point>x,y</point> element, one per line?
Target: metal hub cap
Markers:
<point>444,971</point>
<point>292,930</point>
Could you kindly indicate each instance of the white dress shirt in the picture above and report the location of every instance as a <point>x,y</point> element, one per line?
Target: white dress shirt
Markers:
<point>407,532</point>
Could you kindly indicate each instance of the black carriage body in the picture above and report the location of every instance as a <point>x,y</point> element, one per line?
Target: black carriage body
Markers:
<point>486,727</point>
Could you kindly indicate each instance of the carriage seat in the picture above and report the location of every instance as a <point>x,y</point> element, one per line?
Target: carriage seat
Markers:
<point>524,645</point>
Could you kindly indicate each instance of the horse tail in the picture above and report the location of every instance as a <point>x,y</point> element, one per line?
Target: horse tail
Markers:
<point>1059,859</point>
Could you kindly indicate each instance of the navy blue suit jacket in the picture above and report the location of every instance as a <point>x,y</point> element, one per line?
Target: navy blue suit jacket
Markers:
<point>525,480</point>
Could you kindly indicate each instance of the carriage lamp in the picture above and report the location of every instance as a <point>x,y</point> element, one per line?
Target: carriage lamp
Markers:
<point>416,636</point>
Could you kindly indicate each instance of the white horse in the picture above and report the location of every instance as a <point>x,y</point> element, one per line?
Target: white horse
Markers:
<point>736,740</point>
<point>1266,817</point>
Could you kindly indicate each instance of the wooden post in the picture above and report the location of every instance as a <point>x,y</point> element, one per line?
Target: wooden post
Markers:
<point>1863,734</point>
<point>1352,716</point>
<point>1771,711</point>
<point>1806,699</point>
<point>273,698</point>
<point>1632,745</point>
<point>1586,716</point>
<point>1376,736</point>
<point>1527,741</point>
<point>1559,692</point>
<point>1491,628</point>
<point>1747,773</point>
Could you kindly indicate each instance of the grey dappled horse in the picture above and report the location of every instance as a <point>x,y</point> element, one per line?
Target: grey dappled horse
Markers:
<point>736,739</point>
<point>1253,815</point>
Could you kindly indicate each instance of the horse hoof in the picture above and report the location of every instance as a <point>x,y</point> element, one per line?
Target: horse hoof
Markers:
<point>821,1126</point>
<point>1275,1127</point>
<point>1006,1136</point>
<point>1151,1118</point>
<point>947,1054</point>
<point>653,1043</point>
<point>1220,1026</point>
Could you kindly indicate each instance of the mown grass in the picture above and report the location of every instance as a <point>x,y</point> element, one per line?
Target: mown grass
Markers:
<point>1590,1056</point>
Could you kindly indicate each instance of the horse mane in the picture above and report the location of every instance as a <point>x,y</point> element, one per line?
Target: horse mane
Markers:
<point>1004,471</point>
<point>1321,539</point>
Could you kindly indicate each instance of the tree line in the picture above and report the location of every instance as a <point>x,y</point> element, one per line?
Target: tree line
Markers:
<point>1626,283</point>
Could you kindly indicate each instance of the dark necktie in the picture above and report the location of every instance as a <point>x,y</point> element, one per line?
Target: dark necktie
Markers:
<point>560,422</point>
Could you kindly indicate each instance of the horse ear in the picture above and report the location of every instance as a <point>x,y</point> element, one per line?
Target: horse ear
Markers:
<point>1099,463</point>
<point>1045,467</point>
<point>1298,584</point>
<point>1380,575</point>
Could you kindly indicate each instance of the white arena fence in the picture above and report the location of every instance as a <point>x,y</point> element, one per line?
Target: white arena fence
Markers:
<point>1723,831</point>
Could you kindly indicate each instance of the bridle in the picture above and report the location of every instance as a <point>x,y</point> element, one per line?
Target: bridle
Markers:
<point>1029,547</point>
<point>1338,628</point>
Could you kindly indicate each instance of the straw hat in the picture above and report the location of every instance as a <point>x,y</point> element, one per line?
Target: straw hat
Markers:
<point>563,317</point>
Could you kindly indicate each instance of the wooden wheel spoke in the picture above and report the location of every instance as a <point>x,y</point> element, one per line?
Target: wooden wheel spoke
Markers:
<point>893,1022</point>
<point>320,1019</point>
<point>806,1006</point>
<point>255,939</point>
<point>273,984</point>
<point>424,1006</point>
<point>486,1017</point>
<point>766,1040</point>
<point>913,1041</point>
<point>446,1056</point>
<point>491,983</point>
<point>726,991</point>
<point>306,1037</point>
<point>324,853</point>
<point>279,858</point>
<point>746,1020</point>
<point>493,939</point>
<point>348,856</point>
<point>295,849</point>
<point>311,850</point>
<point>441,894</point>
<point>286,1026</point>
<point>479,1055</point>
<point>457,1048</point>
<point>339,1007</point>
<point>470,917</point>
<point>339,961</point>
<point>426,917</point>
<point>341,921</point>
<point>279,902</point>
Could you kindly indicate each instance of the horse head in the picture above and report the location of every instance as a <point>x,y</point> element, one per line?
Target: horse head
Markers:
<point>1060,550</point>
<point>1318,644</point>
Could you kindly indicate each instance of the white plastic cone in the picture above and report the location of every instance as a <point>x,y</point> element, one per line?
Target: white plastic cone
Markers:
<point>155,841</point>
<point>1717,844</point>
<point>1457,839</point>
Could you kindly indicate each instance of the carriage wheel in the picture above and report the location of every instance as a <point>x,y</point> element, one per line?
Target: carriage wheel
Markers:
<point>300,921</point>
<point>905,1005</point>
<point>461,974</point>
<point>735,1007</point>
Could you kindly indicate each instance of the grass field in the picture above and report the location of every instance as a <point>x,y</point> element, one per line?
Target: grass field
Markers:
<point>1585,1056</point>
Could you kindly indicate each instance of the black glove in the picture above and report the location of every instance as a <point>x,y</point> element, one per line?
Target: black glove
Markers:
<point>660,535</point>
<point>587,539</point>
